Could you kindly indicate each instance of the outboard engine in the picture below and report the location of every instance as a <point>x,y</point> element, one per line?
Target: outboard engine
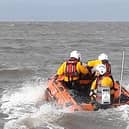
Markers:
<point>103,96</point>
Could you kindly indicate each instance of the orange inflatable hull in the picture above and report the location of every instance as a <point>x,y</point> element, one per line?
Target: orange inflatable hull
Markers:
<point>60,94</point>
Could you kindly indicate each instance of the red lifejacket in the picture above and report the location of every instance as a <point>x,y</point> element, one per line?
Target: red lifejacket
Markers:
<point>108,66</point>
<point>71,69</point>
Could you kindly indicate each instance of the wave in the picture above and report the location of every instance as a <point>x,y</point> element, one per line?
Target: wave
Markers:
<point>27,109</point>
<point>16,72</point>
<point>44,117</point>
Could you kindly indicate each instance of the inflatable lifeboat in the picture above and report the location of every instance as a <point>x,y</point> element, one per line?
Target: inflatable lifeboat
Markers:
<point>74,101</point>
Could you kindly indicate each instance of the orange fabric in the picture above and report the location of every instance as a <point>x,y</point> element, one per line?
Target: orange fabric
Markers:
<point>85,81</point>
<point>116,93</point>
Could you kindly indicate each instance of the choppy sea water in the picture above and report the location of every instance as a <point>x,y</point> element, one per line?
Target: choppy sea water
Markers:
<point>30,52</point>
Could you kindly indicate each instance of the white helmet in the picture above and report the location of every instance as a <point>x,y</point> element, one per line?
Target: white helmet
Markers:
<point>101,68</point>
<point>75,54</point>
<point>103,56</point>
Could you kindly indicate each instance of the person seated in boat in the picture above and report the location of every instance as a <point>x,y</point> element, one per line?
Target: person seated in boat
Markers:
<point>72,70</point>
<point>102,79</point>
<point>102,59</point>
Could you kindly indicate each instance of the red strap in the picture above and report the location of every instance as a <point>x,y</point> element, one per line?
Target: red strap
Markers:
<point>71,70</point>
<point>108,66</point>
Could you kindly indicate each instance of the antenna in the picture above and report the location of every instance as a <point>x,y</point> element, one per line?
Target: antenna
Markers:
<point>121,76</point>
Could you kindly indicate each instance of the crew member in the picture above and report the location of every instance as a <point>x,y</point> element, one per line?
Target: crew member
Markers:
<point>102,80</point>
<point>102,59</point>
<point>72,70</point>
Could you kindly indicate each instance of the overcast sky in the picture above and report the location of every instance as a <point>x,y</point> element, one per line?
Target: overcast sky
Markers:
<point>64,10</point>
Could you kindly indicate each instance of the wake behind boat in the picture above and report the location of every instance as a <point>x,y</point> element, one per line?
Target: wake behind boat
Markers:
<point>73,100</point>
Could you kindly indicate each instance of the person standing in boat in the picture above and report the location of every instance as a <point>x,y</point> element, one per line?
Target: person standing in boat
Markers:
<point>102,79</point>
<point>72,70</point>
<point>102,59</point>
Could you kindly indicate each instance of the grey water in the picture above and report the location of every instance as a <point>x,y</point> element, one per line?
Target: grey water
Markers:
<point>30,52</point>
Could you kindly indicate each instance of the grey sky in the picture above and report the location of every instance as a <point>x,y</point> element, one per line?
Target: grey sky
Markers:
<point>65,10</point>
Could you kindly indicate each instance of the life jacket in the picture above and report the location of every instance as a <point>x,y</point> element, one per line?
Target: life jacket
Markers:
<point>71,69</point>
<point>108,66</point>
<point>98,80</point>
<point>115,89</point>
